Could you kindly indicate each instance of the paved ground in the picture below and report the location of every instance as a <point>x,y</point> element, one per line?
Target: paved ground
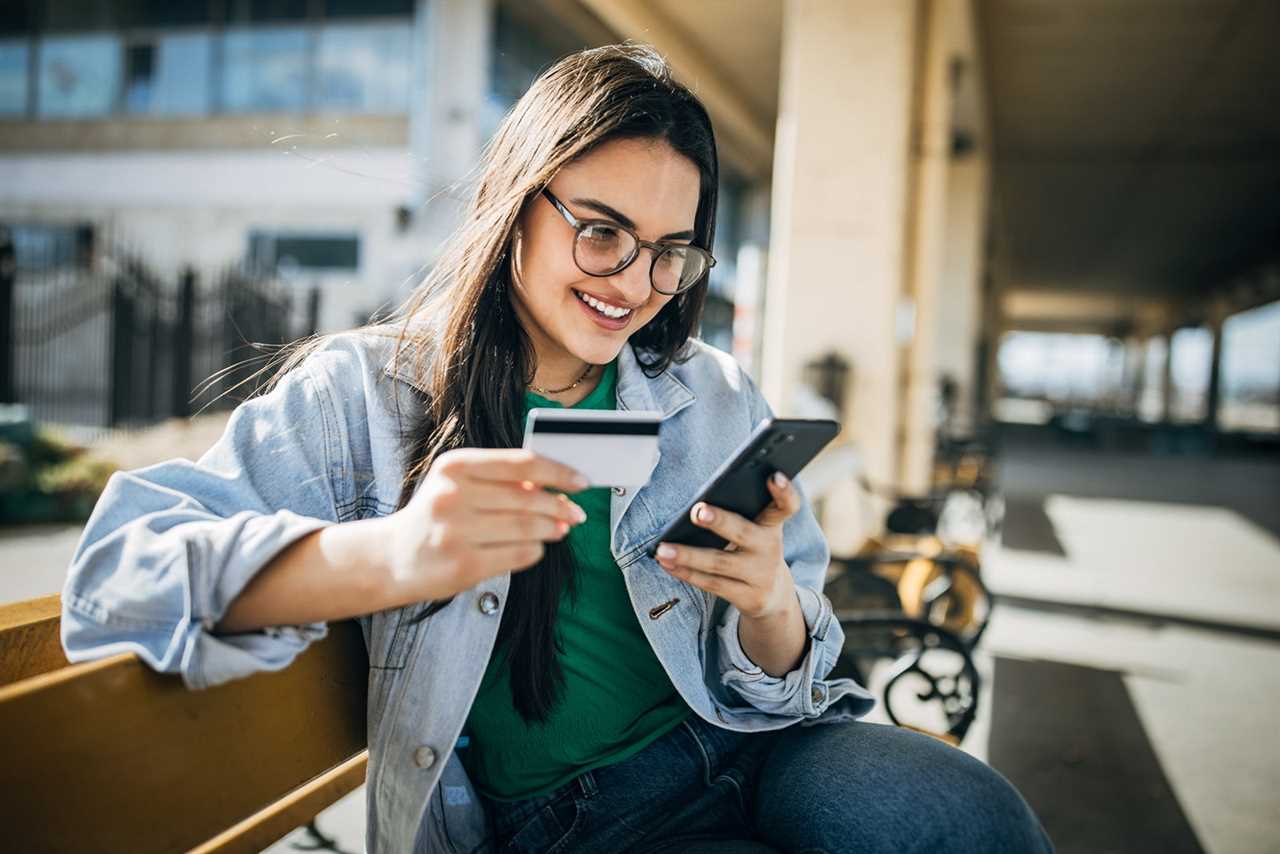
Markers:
<point>1169,571</point>
<point>1163,570</point>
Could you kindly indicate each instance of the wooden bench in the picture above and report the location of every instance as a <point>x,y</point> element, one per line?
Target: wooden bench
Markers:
<point>109,755</point>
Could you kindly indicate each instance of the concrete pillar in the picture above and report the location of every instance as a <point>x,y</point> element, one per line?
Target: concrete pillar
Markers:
<point>1217,317</point>
<point>926,246</point>
<point>961,298</point>
<point>840,194</point>
<point>1132,375</point>
<point>752,268</point>
<point>453,41</point>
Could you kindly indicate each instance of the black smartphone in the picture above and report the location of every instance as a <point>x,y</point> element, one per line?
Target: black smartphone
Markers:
<point>777,444</point>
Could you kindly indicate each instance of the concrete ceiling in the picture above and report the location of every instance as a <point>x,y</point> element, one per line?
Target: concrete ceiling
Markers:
<point>727,51</point>
<point>743,39</point>
<point>1137,142</point>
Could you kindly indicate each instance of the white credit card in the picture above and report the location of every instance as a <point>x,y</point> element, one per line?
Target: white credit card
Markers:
<point>609,447</point>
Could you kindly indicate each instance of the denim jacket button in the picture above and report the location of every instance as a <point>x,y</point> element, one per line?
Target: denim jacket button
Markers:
<point>424,757</point>
<point>489,603</point>
<point>817,695</point>
<point>619,490</point>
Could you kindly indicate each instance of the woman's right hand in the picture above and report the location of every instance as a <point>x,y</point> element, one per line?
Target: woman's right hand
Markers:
<point>478,512</point>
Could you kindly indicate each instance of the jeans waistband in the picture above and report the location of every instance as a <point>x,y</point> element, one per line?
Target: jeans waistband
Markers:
<point>713,745</point>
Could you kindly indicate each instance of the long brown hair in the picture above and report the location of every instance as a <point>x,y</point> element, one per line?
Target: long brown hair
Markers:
<point>461,335</point>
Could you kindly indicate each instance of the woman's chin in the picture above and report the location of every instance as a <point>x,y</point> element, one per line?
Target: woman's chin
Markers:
<point>597,352</point>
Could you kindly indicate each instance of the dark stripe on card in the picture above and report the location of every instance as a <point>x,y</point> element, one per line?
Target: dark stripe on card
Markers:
<point>607,428</point>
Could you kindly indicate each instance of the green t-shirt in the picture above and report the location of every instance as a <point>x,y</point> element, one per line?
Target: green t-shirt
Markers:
<point>617,697</point>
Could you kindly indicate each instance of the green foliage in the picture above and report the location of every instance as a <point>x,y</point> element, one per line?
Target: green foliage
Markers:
<point>44,477</point>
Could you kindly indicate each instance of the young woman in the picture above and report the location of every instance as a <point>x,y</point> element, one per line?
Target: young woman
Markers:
<point>605,701</point>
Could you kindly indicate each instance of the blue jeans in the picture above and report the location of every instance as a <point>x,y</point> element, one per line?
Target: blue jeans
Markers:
<point>840,787</point>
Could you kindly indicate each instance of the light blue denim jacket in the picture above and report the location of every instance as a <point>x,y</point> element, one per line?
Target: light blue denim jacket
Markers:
<point>169,547</point>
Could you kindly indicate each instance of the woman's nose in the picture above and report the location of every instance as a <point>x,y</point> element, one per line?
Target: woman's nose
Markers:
<point>633,282</point>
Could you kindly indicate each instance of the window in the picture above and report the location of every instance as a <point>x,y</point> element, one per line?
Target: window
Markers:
<point>169,75</point>
<point>45,246</point>
<point>524,43</point>
<point>265,70</point>
<point>1191,355</point>
<point>1250,371</point>
<point>79,76</point>
<point>96,58</point>
<point>14,56</point>
<point>364,69</point>
<point>286,253</point>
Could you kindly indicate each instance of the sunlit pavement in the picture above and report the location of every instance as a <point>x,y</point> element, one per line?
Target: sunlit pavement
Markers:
<point>1179,598</point>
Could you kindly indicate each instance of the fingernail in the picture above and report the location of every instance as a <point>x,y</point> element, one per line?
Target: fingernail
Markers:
<point>562,527</point>
<point>579,513</point>
<point>779,479</point>
<point>665,550</point>
<point>705,514</point>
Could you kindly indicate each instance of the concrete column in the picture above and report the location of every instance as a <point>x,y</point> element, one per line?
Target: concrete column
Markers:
<point>960,298</point>
<point>926,245</point>
<point>1217,317</point>
<point>453,47</point>
<point>752,268</point>
<point>840,191</point>
<point>1132,375</point>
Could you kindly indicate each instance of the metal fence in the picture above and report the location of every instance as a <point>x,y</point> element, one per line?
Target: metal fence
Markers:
<point>102,341</point>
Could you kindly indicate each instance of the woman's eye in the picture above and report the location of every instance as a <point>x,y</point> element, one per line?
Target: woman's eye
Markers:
<point>672,259</point>
<point>601,234</point>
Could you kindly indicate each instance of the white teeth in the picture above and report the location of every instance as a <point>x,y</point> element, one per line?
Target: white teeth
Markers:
<point>604,308</point>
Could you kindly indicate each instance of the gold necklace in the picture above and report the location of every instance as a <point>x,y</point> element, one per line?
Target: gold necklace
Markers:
<point>575,384</point>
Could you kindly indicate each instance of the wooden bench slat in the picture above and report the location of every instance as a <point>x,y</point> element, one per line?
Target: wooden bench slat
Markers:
<point>297,808</point>
<point>30,643</point>
<point>109,755</point>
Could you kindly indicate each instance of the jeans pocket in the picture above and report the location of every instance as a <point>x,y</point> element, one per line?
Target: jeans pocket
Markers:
<point>550,828</point>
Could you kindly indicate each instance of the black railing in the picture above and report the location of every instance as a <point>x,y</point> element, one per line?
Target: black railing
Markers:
<point>106,342</point>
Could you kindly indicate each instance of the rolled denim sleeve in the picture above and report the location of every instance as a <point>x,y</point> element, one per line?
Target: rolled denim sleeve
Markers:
<point>804,692</point>
<point>168,547</point>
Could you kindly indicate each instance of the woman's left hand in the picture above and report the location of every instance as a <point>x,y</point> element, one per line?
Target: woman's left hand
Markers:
<point>750,572</point>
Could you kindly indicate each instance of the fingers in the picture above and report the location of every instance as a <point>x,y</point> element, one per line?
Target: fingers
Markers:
<point>492,496</point>
<point>712,561</point>
<point>786,501</point>
<point>507,557</point>
<point>489,528</point>
<point>511,465</point>
<point>731,526</point>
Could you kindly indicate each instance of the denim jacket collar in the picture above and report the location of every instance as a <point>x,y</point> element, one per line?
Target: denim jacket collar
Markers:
<point>636,390</point>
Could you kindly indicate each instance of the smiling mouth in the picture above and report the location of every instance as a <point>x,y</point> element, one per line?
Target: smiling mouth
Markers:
<point>603,308</point>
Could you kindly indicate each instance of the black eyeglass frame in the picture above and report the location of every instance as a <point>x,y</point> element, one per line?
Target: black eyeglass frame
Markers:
<point>658,248</point>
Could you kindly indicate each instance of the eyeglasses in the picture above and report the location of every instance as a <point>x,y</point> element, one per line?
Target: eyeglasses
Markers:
<point>602,247</point>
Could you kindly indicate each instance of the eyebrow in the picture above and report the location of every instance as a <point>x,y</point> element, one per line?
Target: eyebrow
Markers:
<point>613,213</point>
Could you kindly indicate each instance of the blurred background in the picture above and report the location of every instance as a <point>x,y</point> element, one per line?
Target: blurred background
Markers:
<point>1027,251</point>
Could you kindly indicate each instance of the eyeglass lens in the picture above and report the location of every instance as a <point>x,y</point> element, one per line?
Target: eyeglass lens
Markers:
<point>601,250</point>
